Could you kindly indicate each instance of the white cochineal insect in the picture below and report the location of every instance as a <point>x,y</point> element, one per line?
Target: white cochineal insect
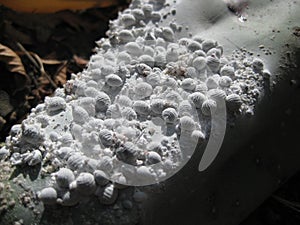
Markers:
<point>233,102</point>
<point>170,115</point>
<point>209,107</point>
<point>141,107</point>
<point>64,177</point>
<point>55,104</point>
<point>48,196</point>
<point>102,102</point>
<point>84,183</point>
<point>197,98</point>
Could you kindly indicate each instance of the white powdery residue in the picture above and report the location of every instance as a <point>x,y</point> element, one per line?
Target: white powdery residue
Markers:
<point>145,98</point>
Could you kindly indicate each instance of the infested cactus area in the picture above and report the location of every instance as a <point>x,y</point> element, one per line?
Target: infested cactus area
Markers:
<point>133,117</point>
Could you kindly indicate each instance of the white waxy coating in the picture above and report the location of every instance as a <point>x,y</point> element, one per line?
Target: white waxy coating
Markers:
<point>48,196</point>
<point>141,107</point>
<point>170,115</point>
<point>123,100</point>
<point>128,20</point>
<point>233,102</point>
<point>113,111</point>
<point>155,17</point>
<point>215,52</point>
<point>194,46</point>
<point>225,81</point>
<point>227,71</point>
<point>133,49</point>
<point>128,113</point>
<point>197,135</point>
<point>32,134</point>
<point>153,158</point>
<point>64,177</point>
<point>209,107</point>
<point>147,59</point>
<point>100,177</point>
<point>124,57</point>
<point>76,161</point>
<point>126,36</point>
<point>185,108</point>
<point>148,50</point>
<point>216,94</point>
<point>187,123</point>
<point>147,9</point>
<point>212,83</point>
<point>80,115</point>
<point>168,34</point>
<point>257,65</point>
<point>157,106</point>
<point>127,152</point>
<point>106,137</point>
<point>194,67</point>
<point>188,84</point>
<point>213,63</point>
<point>91,92</point>
<point>143,90</point>
<point>197,98</point>
<point>109,195</point>
<point>138,14</point>
<point>84,183</point>
<point>102,102</point>
<point>113,80</point>
<point>208,44</point>
<point>35,157</point>
<point>55,104</point>
<point>153,79</point>
<point>172,55</point>
<point>199,63</point>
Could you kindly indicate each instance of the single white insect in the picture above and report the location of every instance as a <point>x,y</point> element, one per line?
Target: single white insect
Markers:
<point>233,102</point>
<point>199,63</point>
<point>208,44</point>
<point>213,63</point>
<point>141,107</point>
<point>188,84</point>
<point>127,152</point>
<point>113,80</point>
<point>128,20</point>
<point>125,36</point>
<point>108,195</point>
<point>227,71</point>
<point>197,98</point>
<point>194,46</point>
<point>170,115</point>
<point>209,107</point>
<point>64,177</point>
<point>187,123</point>
<point>102,102</point>
<point>106,137</point>
<point>84,183</point>
<point>80,115</point>
<point>100,177</point>
<point>48,196</point>
<point>225,81</point>
<point>55,104</point>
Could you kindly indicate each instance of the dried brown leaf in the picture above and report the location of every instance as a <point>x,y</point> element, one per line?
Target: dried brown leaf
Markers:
<point>11,60</point>
<point>80,61</point>
<point>51,62</point>
<point>61,75</point>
